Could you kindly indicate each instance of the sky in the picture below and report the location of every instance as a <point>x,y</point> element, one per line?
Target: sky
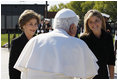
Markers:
<point>50,2</point>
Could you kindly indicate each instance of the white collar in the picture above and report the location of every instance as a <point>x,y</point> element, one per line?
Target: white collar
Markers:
<point>61,31</point>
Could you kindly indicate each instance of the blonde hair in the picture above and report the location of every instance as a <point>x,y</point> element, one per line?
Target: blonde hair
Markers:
<point>26,16</point>
<point>86,18</point>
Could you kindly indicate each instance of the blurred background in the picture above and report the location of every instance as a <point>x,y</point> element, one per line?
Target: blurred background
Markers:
<point>11,10</point>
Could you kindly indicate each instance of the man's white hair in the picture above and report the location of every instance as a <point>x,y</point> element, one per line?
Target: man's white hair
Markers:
<point>64,18</point>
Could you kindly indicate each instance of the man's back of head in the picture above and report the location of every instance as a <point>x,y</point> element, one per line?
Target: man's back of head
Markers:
<point>64,18</point>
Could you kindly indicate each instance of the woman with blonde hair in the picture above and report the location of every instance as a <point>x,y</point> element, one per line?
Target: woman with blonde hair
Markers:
<point>100,42</point>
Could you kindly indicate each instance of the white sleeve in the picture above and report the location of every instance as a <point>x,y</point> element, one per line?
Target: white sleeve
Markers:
<point>25,55</point>
<point>91,67</point>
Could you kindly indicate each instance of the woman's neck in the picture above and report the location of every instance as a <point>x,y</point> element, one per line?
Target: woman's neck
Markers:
<point>28,36</point>
<point>97,33</point>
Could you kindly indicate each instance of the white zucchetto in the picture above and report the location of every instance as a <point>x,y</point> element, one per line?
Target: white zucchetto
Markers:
<point>65,13</point>
<point>64,18</point>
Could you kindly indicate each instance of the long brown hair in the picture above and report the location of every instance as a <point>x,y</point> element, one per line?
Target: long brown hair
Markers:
<point>86,18</point>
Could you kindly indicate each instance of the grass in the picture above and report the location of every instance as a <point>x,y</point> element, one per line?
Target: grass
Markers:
<point>4,38</point>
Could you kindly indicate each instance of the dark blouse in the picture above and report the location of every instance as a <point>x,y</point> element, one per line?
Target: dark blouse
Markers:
<point>104,51</point>
<point>17,46</point>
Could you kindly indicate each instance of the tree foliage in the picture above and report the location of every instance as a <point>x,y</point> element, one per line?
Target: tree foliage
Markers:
<point>58,7</point>
<point>81,7</point>
<point>61,6</point>
<point>87,6</point>
<point>53,8</point>
<point>76,7</point>
<point>108,7</point>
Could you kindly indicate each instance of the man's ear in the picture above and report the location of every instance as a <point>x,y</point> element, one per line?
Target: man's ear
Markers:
<point>72,30</point>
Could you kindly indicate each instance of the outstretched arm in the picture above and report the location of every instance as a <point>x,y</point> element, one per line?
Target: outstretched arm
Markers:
<point>111,71</point>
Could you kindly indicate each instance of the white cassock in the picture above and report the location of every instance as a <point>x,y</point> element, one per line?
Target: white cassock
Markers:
<point>56,55</point>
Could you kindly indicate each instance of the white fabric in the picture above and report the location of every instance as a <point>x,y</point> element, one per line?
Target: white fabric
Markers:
<point>65,13</point>
<point>35,74</point>
<point>57,52</point>
<point>105,15</point>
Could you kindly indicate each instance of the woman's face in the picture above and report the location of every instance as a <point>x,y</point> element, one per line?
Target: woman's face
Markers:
<point>30,27</point>
<point>94,23</point>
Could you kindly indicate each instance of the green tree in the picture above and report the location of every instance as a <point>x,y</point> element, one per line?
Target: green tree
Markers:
<point>53,8</point>
<point>76,7</point>
<point>58,7</point>
<point>108,7</point>
<point>86,6</point>
<point>81,7</point>
<point>61,6</point>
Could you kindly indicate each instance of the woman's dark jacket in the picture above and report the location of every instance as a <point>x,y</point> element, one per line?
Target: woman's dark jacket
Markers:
<point>104,51</point>
<point>17,46</point>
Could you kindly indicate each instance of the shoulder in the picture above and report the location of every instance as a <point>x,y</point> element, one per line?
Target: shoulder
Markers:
<point>84,36</point>
<point>16,40</point>
<point>19,39</point>
<point>107,35</point>
<point>15,44</point>
<point>78,41</point>
<point>80,44</point>
<point>39,38</point>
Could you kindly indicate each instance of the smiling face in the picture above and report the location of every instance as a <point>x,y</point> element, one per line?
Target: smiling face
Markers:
<point>30,27</point>
<point>94,23</point>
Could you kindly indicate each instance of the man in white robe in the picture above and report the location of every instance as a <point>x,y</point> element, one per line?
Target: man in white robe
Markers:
<point>58,54</point>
